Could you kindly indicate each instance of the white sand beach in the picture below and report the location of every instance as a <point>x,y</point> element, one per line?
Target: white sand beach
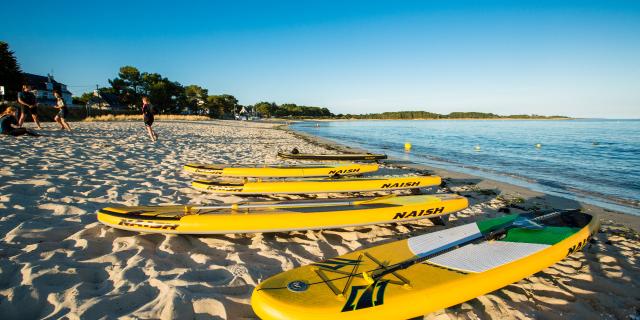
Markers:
<point>58,261</point>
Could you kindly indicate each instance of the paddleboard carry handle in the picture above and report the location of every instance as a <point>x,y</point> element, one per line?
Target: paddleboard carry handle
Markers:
<point>367,277</point>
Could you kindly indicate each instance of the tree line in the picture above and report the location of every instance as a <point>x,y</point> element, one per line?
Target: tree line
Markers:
<point>171,97</point>
<point>405,115</point>
<point>167,96</point>
<point>271,109</point>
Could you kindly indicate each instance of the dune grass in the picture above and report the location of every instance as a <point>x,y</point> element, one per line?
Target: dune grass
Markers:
<point>138,117</point>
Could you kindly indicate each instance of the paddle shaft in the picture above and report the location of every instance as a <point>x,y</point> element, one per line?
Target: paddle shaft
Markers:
<point>289,205</point>
<point>270,205</point>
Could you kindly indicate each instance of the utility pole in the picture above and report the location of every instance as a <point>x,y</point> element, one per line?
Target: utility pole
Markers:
<point>96,94</point>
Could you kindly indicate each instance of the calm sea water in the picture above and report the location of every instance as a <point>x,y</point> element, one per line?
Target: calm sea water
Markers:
<point>596,161</point>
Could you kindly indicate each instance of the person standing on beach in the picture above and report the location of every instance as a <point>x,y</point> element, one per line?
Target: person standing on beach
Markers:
<point>9,124</point>
<point>27,101</point>
<point>62,114</point>
<point>147,115</point>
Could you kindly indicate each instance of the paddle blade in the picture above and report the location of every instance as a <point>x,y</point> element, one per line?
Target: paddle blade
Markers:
<point>527,224</point>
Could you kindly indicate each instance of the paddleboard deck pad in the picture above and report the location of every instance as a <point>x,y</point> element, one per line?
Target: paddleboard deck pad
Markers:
<point>451,270</point>
<point>282,171</point>
<point>332,157</point>
<point>328,185</point>
<point>274,217</point>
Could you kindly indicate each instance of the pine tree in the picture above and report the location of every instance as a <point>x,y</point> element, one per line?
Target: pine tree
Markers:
<point>10,74</point>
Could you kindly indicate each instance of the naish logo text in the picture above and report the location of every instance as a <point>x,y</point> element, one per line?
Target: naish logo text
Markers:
<point>416,213</point>
<point>344,171</point>
<point>401,185</point>
<point>144,224</point>
<point>580,245</point>
<point>359,297</point>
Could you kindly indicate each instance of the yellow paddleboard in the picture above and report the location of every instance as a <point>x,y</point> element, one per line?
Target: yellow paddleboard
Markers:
<point>332,157</point>
<point>426,273</point>
<point>281,171</point>
<point>279,216</point>
<point>318,185</point>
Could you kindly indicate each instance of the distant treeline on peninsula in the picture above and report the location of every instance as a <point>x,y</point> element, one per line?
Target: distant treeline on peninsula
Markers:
<point>431,115</point>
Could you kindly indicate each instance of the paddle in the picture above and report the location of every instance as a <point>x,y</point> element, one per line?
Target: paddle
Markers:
<point>491,235</point>
<point>311,203</point>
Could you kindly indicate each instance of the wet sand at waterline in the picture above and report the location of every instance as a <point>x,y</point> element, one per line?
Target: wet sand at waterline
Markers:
<point>57,261</point>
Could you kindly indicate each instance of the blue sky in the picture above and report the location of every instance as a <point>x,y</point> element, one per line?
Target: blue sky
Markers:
<point>577,58</point>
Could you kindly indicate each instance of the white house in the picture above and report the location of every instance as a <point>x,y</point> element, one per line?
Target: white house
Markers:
<point>44,87</point>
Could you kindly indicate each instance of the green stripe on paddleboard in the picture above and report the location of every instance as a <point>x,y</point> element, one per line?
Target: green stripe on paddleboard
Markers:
<point>486,225</point>
<point>548,235</point>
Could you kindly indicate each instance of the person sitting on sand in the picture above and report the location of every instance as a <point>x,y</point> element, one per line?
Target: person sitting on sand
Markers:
<point>9,123</point>
<point>62,114</point>
<point>147,115</point>
<point>27,101</point>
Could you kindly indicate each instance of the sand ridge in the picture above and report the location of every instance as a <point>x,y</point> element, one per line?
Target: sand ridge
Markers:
<point>57,261</point>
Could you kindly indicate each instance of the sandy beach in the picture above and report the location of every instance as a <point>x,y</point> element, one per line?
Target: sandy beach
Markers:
<point>57,261</point>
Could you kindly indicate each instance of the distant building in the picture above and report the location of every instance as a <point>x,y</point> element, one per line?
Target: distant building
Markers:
<point>105,101</point>
<point>246,113</point>
<point>190,109</point>
<point>44,87</point>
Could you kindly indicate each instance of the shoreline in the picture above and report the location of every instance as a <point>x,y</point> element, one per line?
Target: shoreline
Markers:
<point>532,198</point>
<point>425,119</point>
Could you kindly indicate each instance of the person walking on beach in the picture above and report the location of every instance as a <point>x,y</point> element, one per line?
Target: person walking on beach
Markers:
<point>147,115</point>
<point>62,114</point>
<point>27,101</point>
<point>9,124</point>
